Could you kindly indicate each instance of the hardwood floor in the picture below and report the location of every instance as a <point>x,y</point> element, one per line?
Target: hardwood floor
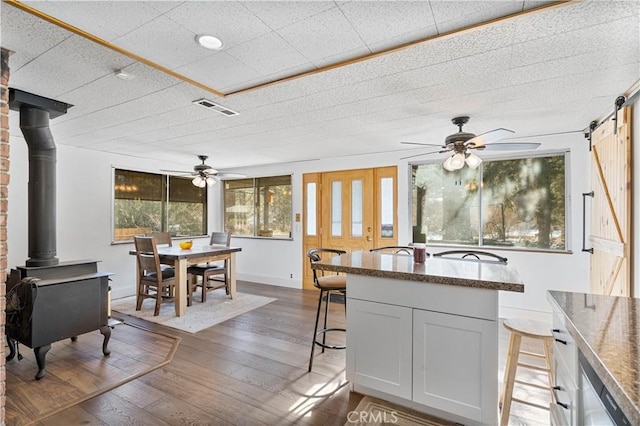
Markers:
<point>250,370</point>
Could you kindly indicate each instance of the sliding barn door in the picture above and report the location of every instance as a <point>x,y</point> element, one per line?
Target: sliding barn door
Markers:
<point>611,207</point>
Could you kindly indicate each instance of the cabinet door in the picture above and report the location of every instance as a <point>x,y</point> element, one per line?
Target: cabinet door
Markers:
<point>455,364</point>
<point>379,347</point>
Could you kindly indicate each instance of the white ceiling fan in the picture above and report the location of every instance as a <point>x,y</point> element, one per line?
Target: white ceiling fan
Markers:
<point>206,175</point>
<point>461,144</point>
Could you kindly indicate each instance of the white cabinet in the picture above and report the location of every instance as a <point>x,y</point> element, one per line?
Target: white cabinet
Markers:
<point>411,343</point>
<point>565,374</point>
<point>453,361</point>
<point>379,347</point>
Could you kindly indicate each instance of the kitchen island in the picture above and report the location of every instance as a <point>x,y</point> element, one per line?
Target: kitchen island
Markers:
<point>425,335</point>
<point>598,334</point>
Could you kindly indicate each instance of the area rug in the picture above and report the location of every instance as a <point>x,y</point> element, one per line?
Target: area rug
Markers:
<point>77,371</point>
<point>373,412</point>
<point>218,308</point>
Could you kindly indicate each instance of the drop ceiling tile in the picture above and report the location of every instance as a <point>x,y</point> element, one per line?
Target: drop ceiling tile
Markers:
<point>103,19</point>
<point>570,17</point>
<point>229,21</point>
<point>377,22</point>
<point>27,36</point>
<point>74,62</point>
<point>483,40</point>
<point>453,15</point>
<point>268,54</point>
<point>593,39</point>
<point>220,71</point>
<point>109,90</point>
<point>323,35</point>
<point>165,42</point>
<point>278,14</point>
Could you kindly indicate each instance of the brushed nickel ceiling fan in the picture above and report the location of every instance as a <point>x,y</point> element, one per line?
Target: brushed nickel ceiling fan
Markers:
<point>204,174</point>
<point>462,144</point>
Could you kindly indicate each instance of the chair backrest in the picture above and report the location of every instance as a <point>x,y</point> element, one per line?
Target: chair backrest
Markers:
<point>147,254</point>
<point>395,249</point>
<point>220,238</point>
<point>472,254</point>
<point>315,255</point>
<point>162,238</point>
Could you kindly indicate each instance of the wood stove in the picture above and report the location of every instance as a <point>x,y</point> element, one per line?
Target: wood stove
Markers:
<point>68,298</point>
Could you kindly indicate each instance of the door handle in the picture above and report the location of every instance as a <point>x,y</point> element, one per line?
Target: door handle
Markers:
<point>584,221</point>
<point>368,238</point>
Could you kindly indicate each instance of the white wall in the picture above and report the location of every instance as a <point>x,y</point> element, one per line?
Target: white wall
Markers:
<point>84,222</point>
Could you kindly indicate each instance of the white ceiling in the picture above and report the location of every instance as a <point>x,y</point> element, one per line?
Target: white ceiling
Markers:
<point>551,70</point>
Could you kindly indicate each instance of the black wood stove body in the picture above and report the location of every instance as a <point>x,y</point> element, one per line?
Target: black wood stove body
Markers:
<point>68,298</point>
<point>66,301</point>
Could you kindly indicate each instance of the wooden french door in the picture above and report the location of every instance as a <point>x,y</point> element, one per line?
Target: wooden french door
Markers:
<point>611,207</point>
<point>349,210</point>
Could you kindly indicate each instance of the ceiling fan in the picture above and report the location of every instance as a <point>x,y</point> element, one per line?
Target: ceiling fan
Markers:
<point>461,144</point>
<point>204,174</point>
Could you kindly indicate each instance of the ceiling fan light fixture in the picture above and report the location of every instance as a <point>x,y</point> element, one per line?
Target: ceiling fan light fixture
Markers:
<point>472,160</point>
<point>210,181</point>
<point>455,162</point>
<point>199,182</point>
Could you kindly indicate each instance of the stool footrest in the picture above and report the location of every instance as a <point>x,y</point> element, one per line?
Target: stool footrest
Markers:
<point>531,404</point>
<point>534,385</point>
<point>533,354</point>
<point>533,367</point>
<point>324,345</point>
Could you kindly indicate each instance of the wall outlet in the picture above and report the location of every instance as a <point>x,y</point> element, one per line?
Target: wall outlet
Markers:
<point>290,275</point>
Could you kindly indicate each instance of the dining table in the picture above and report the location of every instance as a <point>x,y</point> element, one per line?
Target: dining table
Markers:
<point>182,258</point>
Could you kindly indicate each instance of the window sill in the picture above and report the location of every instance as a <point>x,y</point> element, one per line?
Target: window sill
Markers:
<point>500,248</point>
<point>253,237</point>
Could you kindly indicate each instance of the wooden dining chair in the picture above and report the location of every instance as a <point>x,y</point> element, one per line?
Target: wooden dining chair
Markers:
<point>208,271</point>
<point>153,281</point>
<point>162,238</point>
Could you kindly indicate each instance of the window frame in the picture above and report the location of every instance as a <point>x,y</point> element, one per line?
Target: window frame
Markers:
<point>255,213</point>
<point>566,152</point>
<point>165,209</point>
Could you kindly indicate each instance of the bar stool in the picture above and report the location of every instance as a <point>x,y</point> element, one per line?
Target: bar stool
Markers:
<point>327,284</point>
<point>520,328</point>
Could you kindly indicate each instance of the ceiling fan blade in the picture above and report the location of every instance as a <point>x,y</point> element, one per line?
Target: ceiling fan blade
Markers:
<point>506,146</point>
<point>541,135</point>
<point>230,175</point>
<point>176,171</point>
<point>489,137</point>
<point>425,153</point>
<point>422,144</point>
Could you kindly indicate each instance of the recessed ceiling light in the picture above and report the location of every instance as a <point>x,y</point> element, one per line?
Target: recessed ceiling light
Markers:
<point>209,41</point>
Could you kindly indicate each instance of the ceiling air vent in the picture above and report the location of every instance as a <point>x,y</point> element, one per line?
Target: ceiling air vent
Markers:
<point>206,103</point>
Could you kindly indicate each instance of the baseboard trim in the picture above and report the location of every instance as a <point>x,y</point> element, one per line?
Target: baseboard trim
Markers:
<point>263,279</point>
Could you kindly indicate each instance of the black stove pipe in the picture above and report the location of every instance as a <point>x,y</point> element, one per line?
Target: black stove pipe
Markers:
<point>35,112</point>
<point>34,123</point>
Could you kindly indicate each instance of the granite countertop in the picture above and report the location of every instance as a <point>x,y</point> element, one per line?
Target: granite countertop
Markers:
<point>460,272</point>
<point>607,331</point>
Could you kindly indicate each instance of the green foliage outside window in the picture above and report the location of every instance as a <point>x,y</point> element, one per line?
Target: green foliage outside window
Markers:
<point>503,203</point>
<point>147,202</point>
<point>259,207</point>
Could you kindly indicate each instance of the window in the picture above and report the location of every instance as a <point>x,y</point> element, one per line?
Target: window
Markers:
<point>259,207</point>
<point>503,203</point>
<point>147,202</point>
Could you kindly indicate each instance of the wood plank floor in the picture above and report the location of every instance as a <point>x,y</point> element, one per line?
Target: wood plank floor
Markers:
<point>250,370</point>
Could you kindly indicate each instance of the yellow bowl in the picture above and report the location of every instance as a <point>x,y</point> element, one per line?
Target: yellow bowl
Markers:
<point>186,245</point>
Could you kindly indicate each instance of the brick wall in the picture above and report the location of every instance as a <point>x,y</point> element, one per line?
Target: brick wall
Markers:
<point>4,200</point>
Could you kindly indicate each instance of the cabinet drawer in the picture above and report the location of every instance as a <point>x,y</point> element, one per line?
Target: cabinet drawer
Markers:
<point>565,394</point>
<point>564,346</point>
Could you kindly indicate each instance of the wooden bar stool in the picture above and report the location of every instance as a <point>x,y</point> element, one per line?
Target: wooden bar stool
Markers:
<point>520,328</point>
